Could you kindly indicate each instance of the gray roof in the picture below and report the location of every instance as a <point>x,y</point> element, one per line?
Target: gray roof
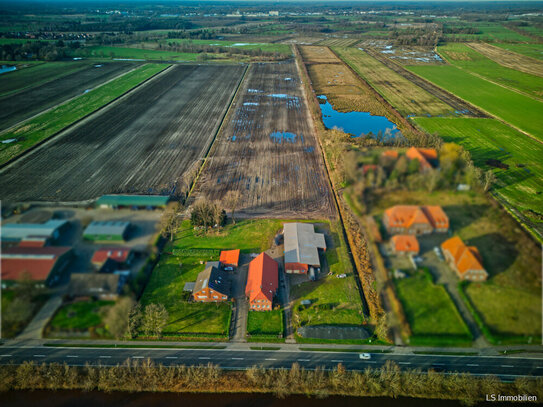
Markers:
<point>20,231</point>
<point>89,284</point>
<point>189,287</point>
<point>107,228</point>
<point>301,244</point>
<point>213,278</point>
<point>216,264</point>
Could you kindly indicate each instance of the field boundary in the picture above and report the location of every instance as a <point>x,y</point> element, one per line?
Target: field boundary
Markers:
<point>80,121</point>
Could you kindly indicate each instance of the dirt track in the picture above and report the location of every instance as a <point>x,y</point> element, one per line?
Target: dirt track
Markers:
<point>142,144</point>
<point>268,150</point>
<point>27,103</point>
<point>455,102</point>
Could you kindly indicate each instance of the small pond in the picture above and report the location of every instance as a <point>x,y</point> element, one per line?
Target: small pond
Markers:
<point>357,123</point>
<point>7,68</point>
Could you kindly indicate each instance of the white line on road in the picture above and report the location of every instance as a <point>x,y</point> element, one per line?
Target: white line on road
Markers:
<point>5,356</point>
<point>171,357</point>
<point>537,367</point>
<point>237,358</point>
<point>507,366</point>
<point>138,357</point>
<point>39,356</point>
<point>105,357</point>
<point>203,357</point>
<point>270,359</point>
<point>336,360</point>
<point>370,361</point>
<point>472,364</point>
<point>303,360</point>
<point>438,364</point>
<point>71,356</point>
<point>404,363</point>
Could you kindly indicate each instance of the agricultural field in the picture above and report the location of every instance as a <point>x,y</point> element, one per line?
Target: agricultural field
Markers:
<point>519,110</point>
<point>265,47</point>
<point>467,58</point>
<point>22,105</point>
<point>488,32</point>
<point>405,96</point>
<point>143,143</point>
<point>338,42</point>
<point>24,136</point>
<point>430,312</point>
<point>522,183</point>
<point>509,59</point>
<point>133,53</point>
<point>530,50</point>
<point>268,151</point>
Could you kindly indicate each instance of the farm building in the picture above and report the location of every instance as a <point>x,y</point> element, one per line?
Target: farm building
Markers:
<point>106,231</point>
<point>427,157</point>
<point>465,260</point>
<point>415,220</point>
<point>132,201</point>
<point>391,154</point>
<point>33,234</point>
<point>120,255</point>
<point>229,258</point>
<point>262,282</point>
<point>404,244</point>
<point>212,284</point>
<point>102,286</point>
<point>302,246</point>
<point>42,264</point>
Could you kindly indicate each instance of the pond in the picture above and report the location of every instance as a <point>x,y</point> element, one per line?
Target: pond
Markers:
<point>7,68</point>
<point>358,123</point>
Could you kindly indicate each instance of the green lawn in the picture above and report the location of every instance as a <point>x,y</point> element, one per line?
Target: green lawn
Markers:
<point>132,53</point>
<point>265,323</point>
<point>432,316</point>
<point>466,58</point>
<point>508,312</point>
<point>530,50</point>
<point>35,74</point>
<point>80,316</point>
<point>334,301</point>
<point>490,139</point>
<point>265,47</point>
<point>51,122</point>
<point>519,110</point>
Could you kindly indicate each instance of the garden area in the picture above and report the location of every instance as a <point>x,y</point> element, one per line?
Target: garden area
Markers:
<point>265,325</point>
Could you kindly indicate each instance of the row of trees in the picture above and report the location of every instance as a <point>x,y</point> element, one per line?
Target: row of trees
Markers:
<point>38,50</point>
<point>127,319</point>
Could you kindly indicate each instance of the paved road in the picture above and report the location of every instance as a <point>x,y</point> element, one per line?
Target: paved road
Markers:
<point>506,368</point>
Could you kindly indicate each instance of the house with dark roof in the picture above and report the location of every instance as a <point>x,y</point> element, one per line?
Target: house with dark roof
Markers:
<point>262,282</point>
<point>302,246</point>
<point>212,285</point>
<point>42,264</point>
<point>465,260</point>
<point>415,220</point>
<point>102,286</point>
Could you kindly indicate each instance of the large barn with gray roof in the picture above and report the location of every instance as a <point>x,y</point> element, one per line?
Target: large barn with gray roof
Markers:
<point>302,246</point>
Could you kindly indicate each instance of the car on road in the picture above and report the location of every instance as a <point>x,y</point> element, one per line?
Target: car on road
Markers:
<point>364,356</point>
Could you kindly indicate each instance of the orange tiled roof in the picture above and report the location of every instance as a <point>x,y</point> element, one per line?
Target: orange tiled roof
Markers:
<point>465,258</point>
<point>230,257</point>
<point>423,155</point>
<point>405,243</point>
<point>406,216</point>
<point>263,277</point>
<point>390,153</point>
<point>368,167</point>
<point>437,216</point>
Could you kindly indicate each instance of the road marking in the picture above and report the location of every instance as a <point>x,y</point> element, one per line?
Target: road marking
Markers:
<point>203,357</point>
<point>105,357</point>
<point>335,360</point>
<point>39,356</point>
<point>404,363</point>
<point>171,357</point>
<point>71,356</point>
<point>438,364</point>
<point>508,366</point>
<point>537,367</point>
<point>5,355</point>
<point>303,360</point>
<point>370,361</point>
<point>237,358</point>
<point>270,359</point>
<point>138,357</point>
<point>472,364</point>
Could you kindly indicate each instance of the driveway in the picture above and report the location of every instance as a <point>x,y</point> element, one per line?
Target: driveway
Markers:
<point>34,329</point>
<point>241,308</point>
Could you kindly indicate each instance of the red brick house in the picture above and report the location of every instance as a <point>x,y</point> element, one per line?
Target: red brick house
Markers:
<point>262,282</point>
<point>465,260</point>
<point>415,220</point>
<point>212,285</point>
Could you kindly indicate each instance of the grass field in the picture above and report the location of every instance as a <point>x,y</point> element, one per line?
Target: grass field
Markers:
<point>431,314</point>
<point>184,258</point>
<point>133,53</point>
<point>490,31</point>
<point>490,139</point>
<point>265,323</point>
<point>265,47</point>
<point>80,316</point>
<point>512,107</point>
<point>467,58</point>
<point>36,74</point>
<point>51,122</point>
<point>530,50</point>
<point>334,301</point>
<point>507,311</point>
<point>405,96</point>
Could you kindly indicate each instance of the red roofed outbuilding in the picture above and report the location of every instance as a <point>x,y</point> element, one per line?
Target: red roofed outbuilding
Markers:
<point>405,244</point>
<point>121,255</point>
<point>427,157</point>
<point>262,282</point>
<point>229,258</point>
<point>465,260</point>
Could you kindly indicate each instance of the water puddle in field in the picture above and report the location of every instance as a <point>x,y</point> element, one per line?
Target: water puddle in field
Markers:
<point>9,140</point>
<point>279,136</point>
<point>358,123</point>
<point>251,104</point>
<point>7,68</point>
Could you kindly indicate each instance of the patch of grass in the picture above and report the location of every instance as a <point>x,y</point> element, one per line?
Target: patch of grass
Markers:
<point>510,106</point>
<point>283,49</point>
<point>49,123</point>
<point>490,139</point>
<point>342,350</point>
<point>431,314</point>
<point>80,316</point>
<point>133,53</point>
<point>369,341</point>
<point>265,323</point>
<point>530,50</point>
<point>507,311</point>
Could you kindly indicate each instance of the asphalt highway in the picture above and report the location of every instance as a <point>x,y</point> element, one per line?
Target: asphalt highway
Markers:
<point>503,367</point>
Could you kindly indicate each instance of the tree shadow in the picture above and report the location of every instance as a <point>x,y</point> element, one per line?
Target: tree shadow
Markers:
<point>497,252</point>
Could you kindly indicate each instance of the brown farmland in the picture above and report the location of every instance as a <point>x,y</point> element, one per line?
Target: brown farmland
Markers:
<point>25,104</point>
<point>455,102</point>
<point>141,144</point>
<point>268,150</point>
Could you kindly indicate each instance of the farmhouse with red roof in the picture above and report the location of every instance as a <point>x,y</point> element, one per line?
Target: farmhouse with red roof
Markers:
<point>262,282</point>
<point>415,220</point>
<point>404,244</point>
<point>465,260</point>
<point>229,258</point>
<point>427,157</point>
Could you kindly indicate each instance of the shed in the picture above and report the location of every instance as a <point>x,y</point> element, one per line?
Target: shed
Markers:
<point>133,201</point>
<point>106,231</point>
<point>301,247</point>
<point>33,232</point>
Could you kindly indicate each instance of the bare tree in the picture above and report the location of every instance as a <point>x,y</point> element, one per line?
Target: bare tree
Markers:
<point>170,221</point>
<point>489,180</point>
<point>154,319</point>
<point>134,321</point>
<point>232,200</point>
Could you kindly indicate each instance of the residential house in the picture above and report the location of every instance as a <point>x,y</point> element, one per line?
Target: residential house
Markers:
<point>404,244</point>
<point>465,260</point>
<point>427,157</point>
<point>262,282</point>
<point>302,246</point>
<point>212,285</point>
<point>415,220</point>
